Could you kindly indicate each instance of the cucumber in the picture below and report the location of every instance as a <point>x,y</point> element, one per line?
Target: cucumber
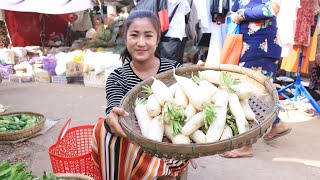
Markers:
<point>4,121</point>
<point>16,119</point>
<point>22,124</point>
<point>3,129</point>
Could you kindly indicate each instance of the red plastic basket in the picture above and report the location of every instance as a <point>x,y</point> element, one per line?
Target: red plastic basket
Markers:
<point>72,151</point>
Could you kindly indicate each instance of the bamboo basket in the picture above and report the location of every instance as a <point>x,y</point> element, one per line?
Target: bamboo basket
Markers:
<point>72,176</point>
<point>264,102</point>
<point>12,136</point>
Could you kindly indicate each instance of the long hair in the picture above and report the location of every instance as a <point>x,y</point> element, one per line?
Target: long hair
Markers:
<point>125,55</point>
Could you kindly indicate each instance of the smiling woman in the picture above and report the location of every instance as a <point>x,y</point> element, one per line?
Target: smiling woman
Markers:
<point>116,157</point>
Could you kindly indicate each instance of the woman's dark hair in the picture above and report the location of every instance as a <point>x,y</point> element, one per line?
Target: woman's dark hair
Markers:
<point>125,55</point>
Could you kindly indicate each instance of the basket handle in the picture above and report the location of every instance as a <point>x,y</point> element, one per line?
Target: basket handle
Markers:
<point>64,129</point>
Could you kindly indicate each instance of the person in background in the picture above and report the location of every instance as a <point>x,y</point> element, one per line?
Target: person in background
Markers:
<point>115,156</point>
<point>261,51</point>
<point>173,43</point>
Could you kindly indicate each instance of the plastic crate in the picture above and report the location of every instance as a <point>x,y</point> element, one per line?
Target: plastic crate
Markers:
<point>72,151</point>
<point>20,79</point>
<point>77,80</point>
<point>59,79</point>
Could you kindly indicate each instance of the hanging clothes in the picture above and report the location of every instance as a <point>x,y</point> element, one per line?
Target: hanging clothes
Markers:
<point>305,18</point>
<point>286,21</point>
<point>290,64</point>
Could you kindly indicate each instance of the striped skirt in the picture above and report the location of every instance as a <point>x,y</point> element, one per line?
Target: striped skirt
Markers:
<point>117,158</point>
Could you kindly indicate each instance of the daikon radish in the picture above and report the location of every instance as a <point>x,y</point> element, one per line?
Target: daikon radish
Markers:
<point>153,106</point>
<point>198,136</point>
<point>173,88</point>
<point>249,114</point>
<point>161,92</point>
<point>211,76</point>
<point>156,129</point>
<point>189,112</point>
<point>193,124</point>
<point>216,128</point>
<point>192,91</point>
<point>177,139</point>
<point>237,111</point>
<point>233,84</point>
<point>208,88</point>
<point>242,91</point>
<point>227,133</point>
<point>180,99</point>
<point>142,115</point>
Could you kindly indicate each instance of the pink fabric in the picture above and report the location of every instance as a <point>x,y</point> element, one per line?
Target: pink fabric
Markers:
<point>46,6</point>
<point>305,18</point>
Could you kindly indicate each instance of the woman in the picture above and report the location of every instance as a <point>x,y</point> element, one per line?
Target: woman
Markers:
<point>116,157</point>
<point>261,51</point>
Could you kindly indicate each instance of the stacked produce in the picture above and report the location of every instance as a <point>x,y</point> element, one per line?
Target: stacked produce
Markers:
<point>18,172</point>
<point>203,109</point>
<point>16,122</point>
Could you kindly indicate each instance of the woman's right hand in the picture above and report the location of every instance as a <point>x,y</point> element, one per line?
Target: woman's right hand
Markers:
<point>112,120</point>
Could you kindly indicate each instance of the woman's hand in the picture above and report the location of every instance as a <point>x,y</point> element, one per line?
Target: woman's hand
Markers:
<point>112,120</point>
<point>236,18</point>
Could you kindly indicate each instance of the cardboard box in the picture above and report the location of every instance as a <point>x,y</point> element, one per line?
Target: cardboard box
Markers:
<point>74,69</point>
<point>42,77</point>
<point>92,80</point>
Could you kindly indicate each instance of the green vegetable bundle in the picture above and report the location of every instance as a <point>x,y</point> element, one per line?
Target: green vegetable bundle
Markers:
<point>15,172</point>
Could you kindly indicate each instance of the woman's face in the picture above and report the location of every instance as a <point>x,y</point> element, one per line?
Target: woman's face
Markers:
<point>142,39</point>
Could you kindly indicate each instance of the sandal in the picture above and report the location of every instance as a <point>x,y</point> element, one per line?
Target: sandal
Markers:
<point>269,137</point>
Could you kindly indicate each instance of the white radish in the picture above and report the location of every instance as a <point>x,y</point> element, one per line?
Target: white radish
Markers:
<point>189,112</point>
<point>198,136</point>
<point>211,76</point>
<point>173,88</point>
<point>216,128</point>
<point>242,91</point>
<point>249,114</point>
<point>153,106</point>
<point>180,99</point>
<point>208,88</point>
<point>156,129</point>
<point>161,91</point>
<point>238,113</point>
<point>193,124</point>
<point>144,119</point>
<point>177,139</point>
<point>227,133</point>
<point>192,90</point>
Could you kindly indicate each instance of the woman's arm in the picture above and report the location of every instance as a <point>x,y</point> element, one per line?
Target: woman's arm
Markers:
<point>114,94</point>
<point>264,11</point>
<point>114,91</point>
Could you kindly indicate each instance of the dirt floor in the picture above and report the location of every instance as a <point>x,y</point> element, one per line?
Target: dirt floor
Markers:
<point>295,156</point>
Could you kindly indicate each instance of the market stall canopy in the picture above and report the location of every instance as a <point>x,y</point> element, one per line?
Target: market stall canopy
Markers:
<point>46,6</point>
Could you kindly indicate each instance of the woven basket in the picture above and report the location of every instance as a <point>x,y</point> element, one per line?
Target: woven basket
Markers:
<point>264,102</point>
<point>12,136</point>
<point>72,176</point>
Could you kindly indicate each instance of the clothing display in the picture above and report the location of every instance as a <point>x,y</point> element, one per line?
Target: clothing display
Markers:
<point>290,64</point>
<point>305,18</point>
<point>286,21</point>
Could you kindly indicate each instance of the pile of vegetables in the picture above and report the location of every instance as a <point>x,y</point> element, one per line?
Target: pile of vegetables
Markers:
<point>18,172</point>
<point>16,122</point>
<point>203,109</point>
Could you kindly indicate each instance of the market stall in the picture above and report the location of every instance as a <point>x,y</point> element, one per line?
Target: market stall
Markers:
<point>79,43</point>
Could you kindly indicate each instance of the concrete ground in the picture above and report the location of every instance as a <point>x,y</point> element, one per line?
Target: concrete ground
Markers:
<point>295,156</point>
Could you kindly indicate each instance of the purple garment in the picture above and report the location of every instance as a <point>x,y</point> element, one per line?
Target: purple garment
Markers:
<point>49,63</point>
<point>5,70</point>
